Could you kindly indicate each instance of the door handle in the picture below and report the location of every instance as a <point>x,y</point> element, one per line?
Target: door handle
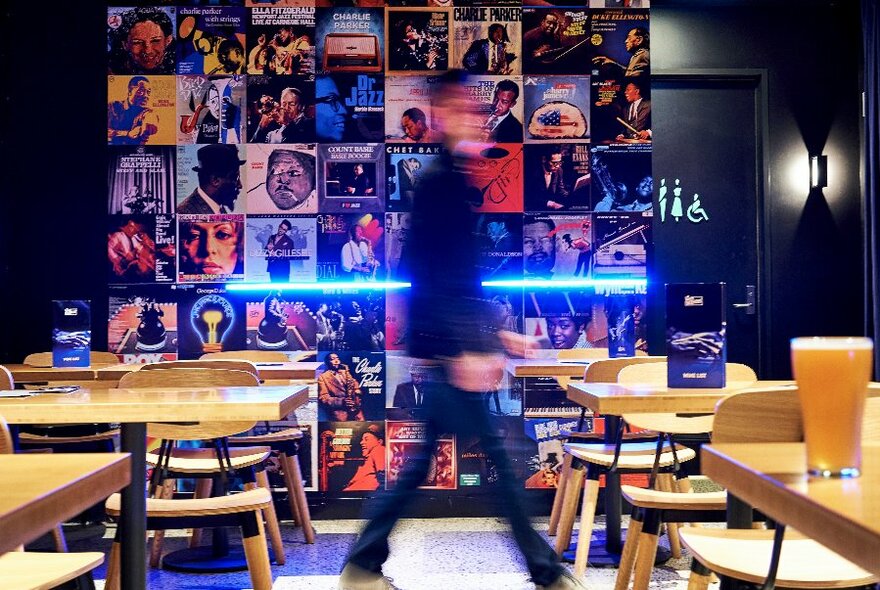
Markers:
<point>751,304</point>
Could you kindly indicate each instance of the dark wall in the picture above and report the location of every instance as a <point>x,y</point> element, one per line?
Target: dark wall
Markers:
<point>53,203</point>
<point>812,55</point>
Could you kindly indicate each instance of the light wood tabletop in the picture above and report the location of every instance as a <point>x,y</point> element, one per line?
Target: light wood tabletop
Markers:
<point>546,367</point>
<point>28,374</point>
<point>842,514</point>
<point>39,491</point>
<point>268,371</point>
<point>156,405</point>
<point>133,408</point>
<point>618,399</point>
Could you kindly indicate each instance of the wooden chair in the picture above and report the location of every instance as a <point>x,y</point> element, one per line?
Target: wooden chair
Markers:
<point>96,357</point>
<point>242,510</point>
<point>255,356</point>
<point>600,371</point>
<point>205,463</point>
<point>590,461</point>
<point>284,442</point>
<point>767,415</point>
<point>227,364</point>
<point>582,353</point>
<point>43,570</point>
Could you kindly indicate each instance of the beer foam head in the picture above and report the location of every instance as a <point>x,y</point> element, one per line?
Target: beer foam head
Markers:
<point>831,343</point>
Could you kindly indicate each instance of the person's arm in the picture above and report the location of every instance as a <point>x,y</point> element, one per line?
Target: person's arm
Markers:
<point>346,257</point>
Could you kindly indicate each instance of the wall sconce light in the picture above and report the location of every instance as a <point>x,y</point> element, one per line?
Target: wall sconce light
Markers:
<point>818,171</point>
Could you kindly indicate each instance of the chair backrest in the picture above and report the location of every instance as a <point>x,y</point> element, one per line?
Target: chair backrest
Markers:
<point>606,370</point>
<point>189,378</point>
<point>254,356</point>
<point>774,415</point>
<point>96,357</point>
<point>656,373</point>
<point>227,364</point>
<point>582,353</point>
<point>5,438</point>
<point>6,380</point>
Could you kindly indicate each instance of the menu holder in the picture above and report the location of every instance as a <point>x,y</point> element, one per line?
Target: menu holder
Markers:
<point>696,325</point>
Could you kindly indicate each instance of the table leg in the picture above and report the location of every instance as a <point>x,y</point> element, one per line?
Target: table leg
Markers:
<point>739,516</point>
<point>133,520</point>
<point>612,493</point>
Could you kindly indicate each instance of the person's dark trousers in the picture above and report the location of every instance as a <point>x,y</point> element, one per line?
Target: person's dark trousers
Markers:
<point>451,410</point>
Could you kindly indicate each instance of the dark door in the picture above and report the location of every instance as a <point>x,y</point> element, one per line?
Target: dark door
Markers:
<point>708,131</point>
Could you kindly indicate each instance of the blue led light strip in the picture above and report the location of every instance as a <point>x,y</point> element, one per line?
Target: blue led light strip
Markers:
<point>390,285</point>
<point>362,286</point>
<point>557,284</point>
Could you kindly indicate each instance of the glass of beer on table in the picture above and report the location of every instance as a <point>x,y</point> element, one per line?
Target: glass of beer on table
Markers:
<point>832,375</point>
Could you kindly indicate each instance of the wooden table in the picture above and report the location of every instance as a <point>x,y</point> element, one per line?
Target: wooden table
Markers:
<point>133,408</point>
<point>614,399</point>
<point>267,371</point>
<point>39,491</point>
<point>547,367</point>
<point>842,514</point>
<point>29,374</point>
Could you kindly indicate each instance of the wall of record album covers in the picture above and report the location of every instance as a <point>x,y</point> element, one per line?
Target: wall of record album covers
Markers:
<point>283,142</point>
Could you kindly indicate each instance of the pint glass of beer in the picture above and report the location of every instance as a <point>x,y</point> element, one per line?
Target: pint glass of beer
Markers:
<point>832,376</point>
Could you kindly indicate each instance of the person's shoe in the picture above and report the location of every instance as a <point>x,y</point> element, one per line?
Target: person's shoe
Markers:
<point>566,581</point>
<point>354,577</point>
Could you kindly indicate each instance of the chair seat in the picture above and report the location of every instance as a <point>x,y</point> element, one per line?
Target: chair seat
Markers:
<point>204,461</point>
<point>27,438</point>
<point>744,554</point>
<point>285,435</point>
<point>254,499</point>
<point>658,500</point>
<point>632,455</point>
<point>38,571</point>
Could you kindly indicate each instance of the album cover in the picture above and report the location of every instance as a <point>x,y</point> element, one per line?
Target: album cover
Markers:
<point>621,43</point>
<point>350,40</point>
<point>281,179</point>
<point>499,101</point>
<point>140,248</point>
<point>499,237</point>
<point>211,109</point>
<point>351,456</point>
<point>397,226</point>
<point>280,320</point>
<point>281,40</point>
<point>544,458</point>
<point>349,319</point>
<point>621,241</point>
<point>351,176</point>
<point>141,110</point>
<point>280,249</point>
<point>408,116</point>
<point>417,40</point>
<point>219,161</point>
<point>209,320</point>
<point>279,109</point>
<point>396,303</point>
<point>141,40</point>
<point>621,111</point>
<point>351,247</point>
<point>477,470</point>
<point>211,248</point>
<point>564,319</point>
<point>351,386</point>
<point>405,166</point>
<point>142,323</point>
<point>407,441</point>
<point>557,108</point>
<point>350,107</point>
<point>140,180</point>
<point>211,40</point>
<point>488,40</point>
<point>557,246</point>
<point>555,41</point>
<point>621,178</point>
<point>557,177</point>
<point>496,172</point>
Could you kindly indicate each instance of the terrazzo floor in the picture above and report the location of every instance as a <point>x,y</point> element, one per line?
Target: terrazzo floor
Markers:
<point>426,554</point>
